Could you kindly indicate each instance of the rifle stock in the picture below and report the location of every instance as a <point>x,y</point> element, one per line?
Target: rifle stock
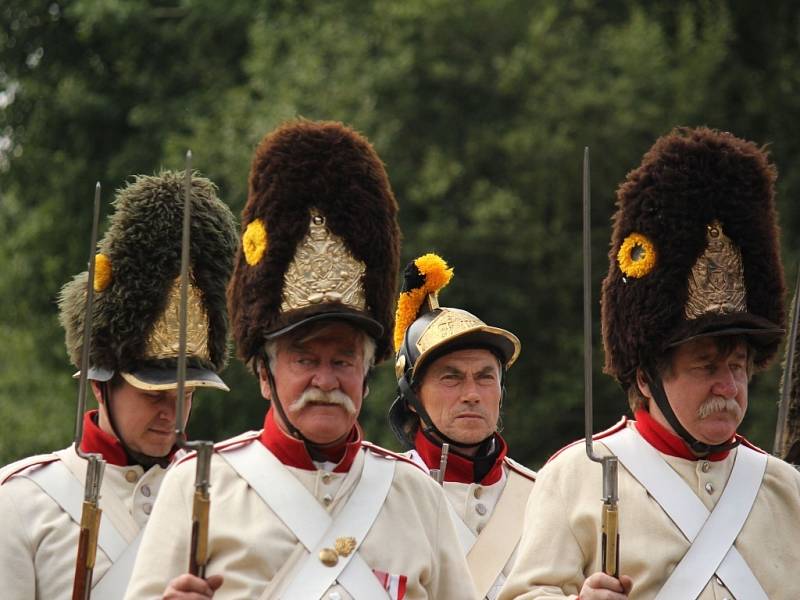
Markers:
<point>87,551</point>
<point>198,555</point>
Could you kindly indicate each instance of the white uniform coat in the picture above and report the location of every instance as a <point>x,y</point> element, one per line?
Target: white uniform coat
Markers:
<point>560,544</point>
<point>474,503</point>
<point>412,539</point>
<point>39,541</point>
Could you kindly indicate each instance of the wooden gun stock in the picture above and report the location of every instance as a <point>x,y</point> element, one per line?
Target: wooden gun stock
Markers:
<point>610,529</point>
<point>198,557</point>
<point>87,551</point>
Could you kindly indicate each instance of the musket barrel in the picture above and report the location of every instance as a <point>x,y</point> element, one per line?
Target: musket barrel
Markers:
<point>780,447</point>
<point>95,465</point>
<point>610,515</point>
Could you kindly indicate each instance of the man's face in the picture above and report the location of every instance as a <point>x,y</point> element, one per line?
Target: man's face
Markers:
<point>707,391</point>
<point>461,393</point>
<point>320,382</point>
<point>145,419</point>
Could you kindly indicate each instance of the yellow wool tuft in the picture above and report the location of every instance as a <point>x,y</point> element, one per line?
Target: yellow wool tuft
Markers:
<point>102,272</point>
<point>254,242</point>
<point>436,274</point>
<point>636,256</point>
<point>435,270</point>
<point>407,307</point>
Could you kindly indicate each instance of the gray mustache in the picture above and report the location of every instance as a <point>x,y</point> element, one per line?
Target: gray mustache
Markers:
<point>316,395</point>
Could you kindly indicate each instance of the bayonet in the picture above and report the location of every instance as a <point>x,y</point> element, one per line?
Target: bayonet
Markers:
<point>438,474</point>
<point>201,505</point>
<point>95,465</point>
<point>610,511</point>
<point>787,437</point>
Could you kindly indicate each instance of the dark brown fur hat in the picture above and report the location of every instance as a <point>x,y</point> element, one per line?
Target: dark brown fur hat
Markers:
<point>689,180</point>
<point>137,267</point>
<point>298,170</point>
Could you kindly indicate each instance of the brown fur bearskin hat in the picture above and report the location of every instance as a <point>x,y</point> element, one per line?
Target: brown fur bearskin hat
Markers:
<point>311,179</point>
<point>692,185</point>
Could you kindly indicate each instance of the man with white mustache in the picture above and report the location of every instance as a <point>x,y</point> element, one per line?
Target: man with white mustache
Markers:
<point>305,508</point>
<point>451,369</point>
<point>692,306</point>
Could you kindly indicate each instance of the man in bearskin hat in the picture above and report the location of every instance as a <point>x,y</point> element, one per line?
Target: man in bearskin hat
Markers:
<point>451,370</point>
<point>692,306</point>
<point>306,508</point>
<point>132,371</point>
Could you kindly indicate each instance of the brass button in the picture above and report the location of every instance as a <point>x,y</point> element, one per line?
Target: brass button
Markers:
<point>147,508</point>
<point>709,488</point>
<point>131,476</point>
<point>326,477</point>
<point>706,466</point>
<point>327,499</point>
<point>478,491</point>
<point>480,509</point>
<point>328,557</point>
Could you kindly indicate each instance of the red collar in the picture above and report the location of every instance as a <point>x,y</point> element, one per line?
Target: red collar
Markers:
<point>293,452</point>
<point>460,469</point>
<point>95,440</point>
<point>667,442</point>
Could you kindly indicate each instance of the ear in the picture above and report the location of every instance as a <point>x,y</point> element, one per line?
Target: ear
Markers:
<point>641,383</point>
<point>98,395</point>
<point>263,383</point>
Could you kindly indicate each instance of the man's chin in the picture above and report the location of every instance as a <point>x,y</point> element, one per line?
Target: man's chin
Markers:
<point>717,431</point>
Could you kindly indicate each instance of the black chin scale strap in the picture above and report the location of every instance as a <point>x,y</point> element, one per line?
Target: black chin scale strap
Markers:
<point>430,430</point>
<point>137,458</point>
<point>660,396</point>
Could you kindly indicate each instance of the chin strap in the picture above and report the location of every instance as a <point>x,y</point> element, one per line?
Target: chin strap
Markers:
<point>660,397</point>
<point>138,458</point>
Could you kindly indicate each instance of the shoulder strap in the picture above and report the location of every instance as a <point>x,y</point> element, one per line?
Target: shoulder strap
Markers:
<point>353,522</point>
<point>56,480</point>
<point>500,537</point>
<point>313,526</point>
<point>690,515</point>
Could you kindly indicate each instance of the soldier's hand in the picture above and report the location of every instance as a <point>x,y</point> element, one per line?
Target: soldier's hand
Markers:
<point>189,587</point>
<point>600,586</point>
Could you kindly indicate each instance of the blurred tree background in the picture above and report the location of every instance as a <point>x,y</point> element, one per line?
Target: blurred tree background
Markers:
<point>480,109</point>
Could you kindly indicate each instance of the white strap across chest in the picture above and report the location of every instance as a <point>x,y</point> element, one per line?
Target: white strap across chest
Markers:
<point>711,534</point>
<point>313,526</point>
<point>497,541</point>
<point>114,582</point>
<point>56,480</point>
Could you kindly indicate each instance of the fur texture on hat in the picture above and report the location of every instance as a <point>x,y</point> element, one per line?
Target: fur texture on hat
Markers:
<point>143,246</point>
<point>687,180</point>
<point>300,166</point>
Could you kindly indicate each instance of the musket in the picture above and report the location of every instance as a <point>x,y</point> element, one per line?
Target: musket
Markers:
<point>787,440</point>
<point>438,474</point>
<point>91,511</point>
<point>610,514</point>
<point>201,505</point>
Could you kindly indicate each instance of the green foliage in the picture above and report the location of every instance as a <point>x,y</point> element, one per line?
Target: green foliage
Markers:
<point>480,110</point>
